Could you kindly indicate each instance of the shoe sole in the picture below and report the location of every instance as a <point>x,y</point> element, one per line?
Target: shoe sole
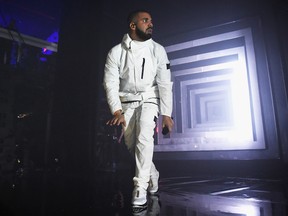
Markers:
<point>154,193</point>
<point>139,208</point>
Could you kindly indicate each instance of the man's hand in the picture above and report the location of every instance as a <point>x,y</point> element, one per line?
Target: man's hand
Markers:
<point>117,119</point>
<point>167,122</point>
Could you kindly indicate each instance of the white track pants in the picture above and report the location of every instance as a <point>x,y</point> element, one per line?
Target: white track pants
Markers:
<point>139,138</point>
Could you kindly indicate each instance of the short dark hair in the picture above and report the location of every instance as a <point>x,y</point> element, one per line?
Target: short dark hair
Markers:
<point>133,14</point>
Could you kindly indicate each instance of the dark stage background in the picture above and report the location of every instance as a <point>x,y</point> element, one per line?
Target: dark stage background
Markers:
<point>56,153</point>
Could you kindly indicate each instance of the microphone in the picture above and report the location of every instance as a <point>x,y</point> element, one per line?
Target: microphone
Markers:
<point>165,130</point>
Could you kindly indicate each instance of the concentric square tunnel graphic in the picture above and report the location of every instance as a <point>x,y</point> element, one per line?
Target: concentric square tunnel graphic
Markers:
<point>216,103</point>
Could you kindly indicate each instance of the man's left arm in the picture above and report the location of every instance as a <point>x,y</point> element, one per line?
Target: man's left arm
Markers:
<point>165,89</point>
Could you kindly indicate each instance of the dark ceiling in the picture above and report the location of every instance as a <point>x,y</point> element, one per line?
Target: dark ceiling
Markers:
<point>37,18</point>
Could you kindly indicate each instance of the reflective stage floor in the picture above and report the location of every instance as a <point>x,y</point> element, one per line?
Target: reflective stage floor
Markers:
<point>108,192</point>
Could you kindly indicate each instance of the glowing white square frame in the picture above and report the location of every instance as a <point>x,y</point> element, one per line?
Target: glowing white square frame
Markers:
<point>245,134</point>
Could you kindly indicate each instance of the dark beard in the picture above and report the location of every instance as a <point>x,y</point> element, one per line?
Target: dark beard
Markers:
<point>142,35</point>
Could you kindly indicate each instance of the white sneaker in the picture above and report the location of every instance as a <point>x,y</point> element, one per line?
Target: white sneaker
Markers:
<point>139,197</point>
<point>153,183</point>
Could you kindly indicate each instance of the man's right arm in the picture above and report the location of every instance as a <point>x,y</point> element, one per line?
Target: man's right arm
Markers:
<point>111,83</point>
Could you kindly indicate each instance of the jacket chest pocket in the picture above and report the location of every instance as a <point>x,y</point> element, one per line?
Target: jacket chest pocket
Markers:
<point>143,68</point>
<point>146,69</point>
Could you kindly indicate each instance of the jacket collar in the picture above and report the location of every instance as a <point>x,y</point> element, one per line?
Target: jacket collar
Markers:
<point>132,44</point>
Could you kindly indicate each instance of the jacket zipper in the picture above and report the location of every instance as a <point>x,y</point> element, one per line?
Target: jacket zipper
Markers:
<point>143,64</point>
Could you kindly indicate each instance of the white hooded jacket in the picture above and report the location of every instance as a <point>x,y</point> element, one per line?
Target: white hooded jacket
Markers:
<point>137,71</point>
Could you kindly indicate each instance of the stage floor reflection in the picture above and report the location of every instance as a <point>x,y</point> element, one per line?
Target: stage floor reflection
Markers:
<point>108,192</point>
<point>222,196</point>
